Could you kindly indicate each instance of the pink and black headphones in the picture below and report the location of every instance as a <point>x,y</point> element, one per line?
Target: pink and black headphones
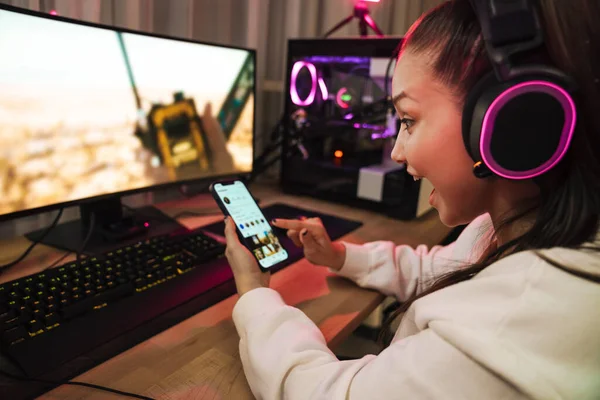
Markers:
<point>518,120</point>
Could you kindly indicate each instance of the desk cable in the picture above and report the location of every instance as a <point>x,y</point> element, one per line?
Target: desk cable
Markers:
<point>75,383</point>
<point>78,252</point>
<point>34,243</point>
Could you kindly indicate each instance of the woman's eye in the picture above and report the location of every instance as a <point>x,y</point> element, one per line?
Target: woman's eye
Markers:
<point>407,123</point>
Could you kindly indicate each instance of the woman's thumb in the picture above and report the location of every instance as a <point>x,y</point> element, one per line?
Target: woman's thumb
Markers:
<point>307,239</point>
<point>230,233</point>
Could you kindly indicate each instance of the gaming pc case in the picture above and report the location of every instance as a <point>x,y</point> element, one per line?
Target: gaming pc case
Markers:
<point>340,125</point>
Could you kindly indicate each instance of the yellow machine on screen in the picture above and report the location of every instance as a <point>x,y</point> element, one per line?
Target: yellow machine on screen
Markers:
<point>179,135</point>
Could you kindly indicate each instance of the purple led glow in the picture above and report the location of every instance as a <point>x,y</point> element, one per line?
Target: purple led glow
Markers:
<point>375,136</point>
<point>338,60</point>
<point>323,88</point>
<point>293,88</point>
<point>555,91</point>
<point>372,127</point>
<point>349,116</point>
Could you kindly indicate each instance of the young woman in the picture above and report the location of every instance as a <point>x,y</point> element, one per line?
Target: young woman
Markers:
<point>511,310</point>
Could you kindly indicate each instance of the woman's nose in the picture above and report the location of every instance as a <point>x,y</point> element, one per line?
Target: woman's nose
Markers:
<point>398,151</point>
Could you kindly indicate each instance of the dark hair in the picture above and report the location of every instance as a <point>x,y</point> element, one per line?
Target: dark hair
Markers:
<point>568,208</point>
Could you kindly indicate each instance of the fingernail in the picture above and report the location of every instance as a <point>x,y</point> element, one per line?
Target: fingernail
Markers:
<point>274,221</point>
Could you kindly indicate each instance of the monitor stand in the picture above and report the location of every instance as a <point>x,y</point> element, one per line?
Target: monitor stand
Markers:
<point>113,227</point>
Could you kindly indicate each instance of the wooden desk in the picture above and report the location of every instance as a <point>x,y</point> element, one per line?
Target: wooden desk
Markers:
<point>198,358</point>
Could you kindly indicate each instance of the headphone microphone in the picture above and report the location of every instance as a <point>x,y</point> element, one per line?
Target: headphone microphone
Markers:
<point>518,120</point>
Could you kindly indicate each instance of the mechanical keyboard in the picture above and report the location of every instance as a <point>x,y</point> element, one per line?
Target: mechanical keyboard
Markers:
<point>57,324</point>
<point>59,314</point>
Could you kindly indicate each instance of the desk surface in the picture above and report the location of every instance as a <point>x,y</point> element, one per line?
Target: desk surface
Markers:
<point>198,358</point>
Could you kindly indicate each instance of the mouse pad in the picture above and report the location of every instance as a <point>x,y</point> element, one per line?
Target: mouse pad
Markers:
<point>336,227</point>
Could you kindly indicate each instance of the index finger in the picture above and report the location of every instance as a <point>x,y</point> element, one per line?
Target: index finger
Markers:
<point>289,223</point>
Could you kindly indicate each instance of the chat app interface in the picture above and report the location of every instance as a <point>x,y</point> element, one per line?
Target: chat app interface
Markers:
<point>251,223</point>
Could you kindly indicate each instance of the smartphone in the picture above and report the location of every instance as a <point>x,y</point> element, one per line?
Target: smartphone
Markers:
<point>254,230</point>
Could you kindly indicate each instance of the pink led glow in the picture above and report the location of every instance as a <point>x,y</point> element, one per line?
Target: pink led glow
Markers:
<point>369,20</point>
<point>555,91</point>
<point>323,88</point>
<point>294,89</point>
<point>53,12</point>
<point>372,1</point>
<point>146,224</point>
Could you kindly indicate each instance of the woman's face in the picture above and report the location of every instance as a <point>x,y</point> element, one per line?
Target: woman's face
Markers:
<point>431,144</point>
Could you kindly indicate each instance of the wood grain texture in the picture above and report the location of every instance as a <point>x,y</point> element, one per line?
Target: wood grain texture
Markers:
<point>199,358</point>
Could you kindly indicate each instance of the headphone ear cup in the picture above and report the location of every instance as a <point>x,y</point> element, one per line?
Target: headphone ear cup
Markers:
<point>518,129</point>
<point>473,112</point>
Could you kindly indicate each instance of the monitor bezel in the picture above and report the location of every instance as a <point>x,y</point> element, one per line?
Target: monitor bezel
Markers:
<point>162,186</point>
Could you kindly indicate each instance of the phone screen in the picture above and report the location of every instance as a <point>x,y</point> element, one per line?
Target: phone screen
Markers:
<point>251,223</point>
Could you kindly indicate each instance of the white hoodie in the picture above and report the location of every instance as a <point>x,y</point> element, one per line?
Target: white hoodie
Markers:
<point>521,329</point>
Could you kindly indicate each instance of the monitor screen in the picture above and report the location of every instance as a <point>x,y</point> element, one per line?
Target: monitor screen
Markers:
<point>87,111</point>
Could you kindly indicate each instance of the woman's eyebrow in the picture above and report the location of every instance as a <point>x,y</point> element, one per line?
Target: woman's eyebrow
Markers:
<point>400,96</point>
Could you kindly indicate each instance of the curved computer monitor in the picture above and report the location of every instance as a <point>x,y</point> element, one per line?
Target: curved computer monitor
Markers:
<point>90,113</point>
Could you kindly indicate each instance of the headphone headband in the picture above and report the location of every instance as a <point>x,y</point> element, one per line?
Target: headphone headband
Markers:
<point>508,27</point>
<point>518,121</point>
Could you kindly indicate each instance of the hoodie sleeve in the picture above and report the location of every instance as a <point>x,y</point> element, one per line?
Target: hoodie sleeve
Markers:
<point>285,356</point>
<point>401,270</point>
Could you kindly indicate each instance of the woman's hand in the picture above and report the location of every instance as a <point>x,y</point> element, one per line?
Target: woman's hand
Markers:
<point>311,235</point>
<point>245,269</point>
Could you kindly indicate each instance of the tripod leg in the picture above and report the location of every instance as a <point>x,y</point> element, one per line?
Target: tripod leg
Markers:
<point>372,24</point>
<point>362,27</point>
<point>338,26</point>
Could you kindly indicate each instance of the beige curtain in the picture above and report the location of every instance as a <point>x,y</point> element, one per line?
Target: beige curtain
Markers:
<point>261,24</point>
